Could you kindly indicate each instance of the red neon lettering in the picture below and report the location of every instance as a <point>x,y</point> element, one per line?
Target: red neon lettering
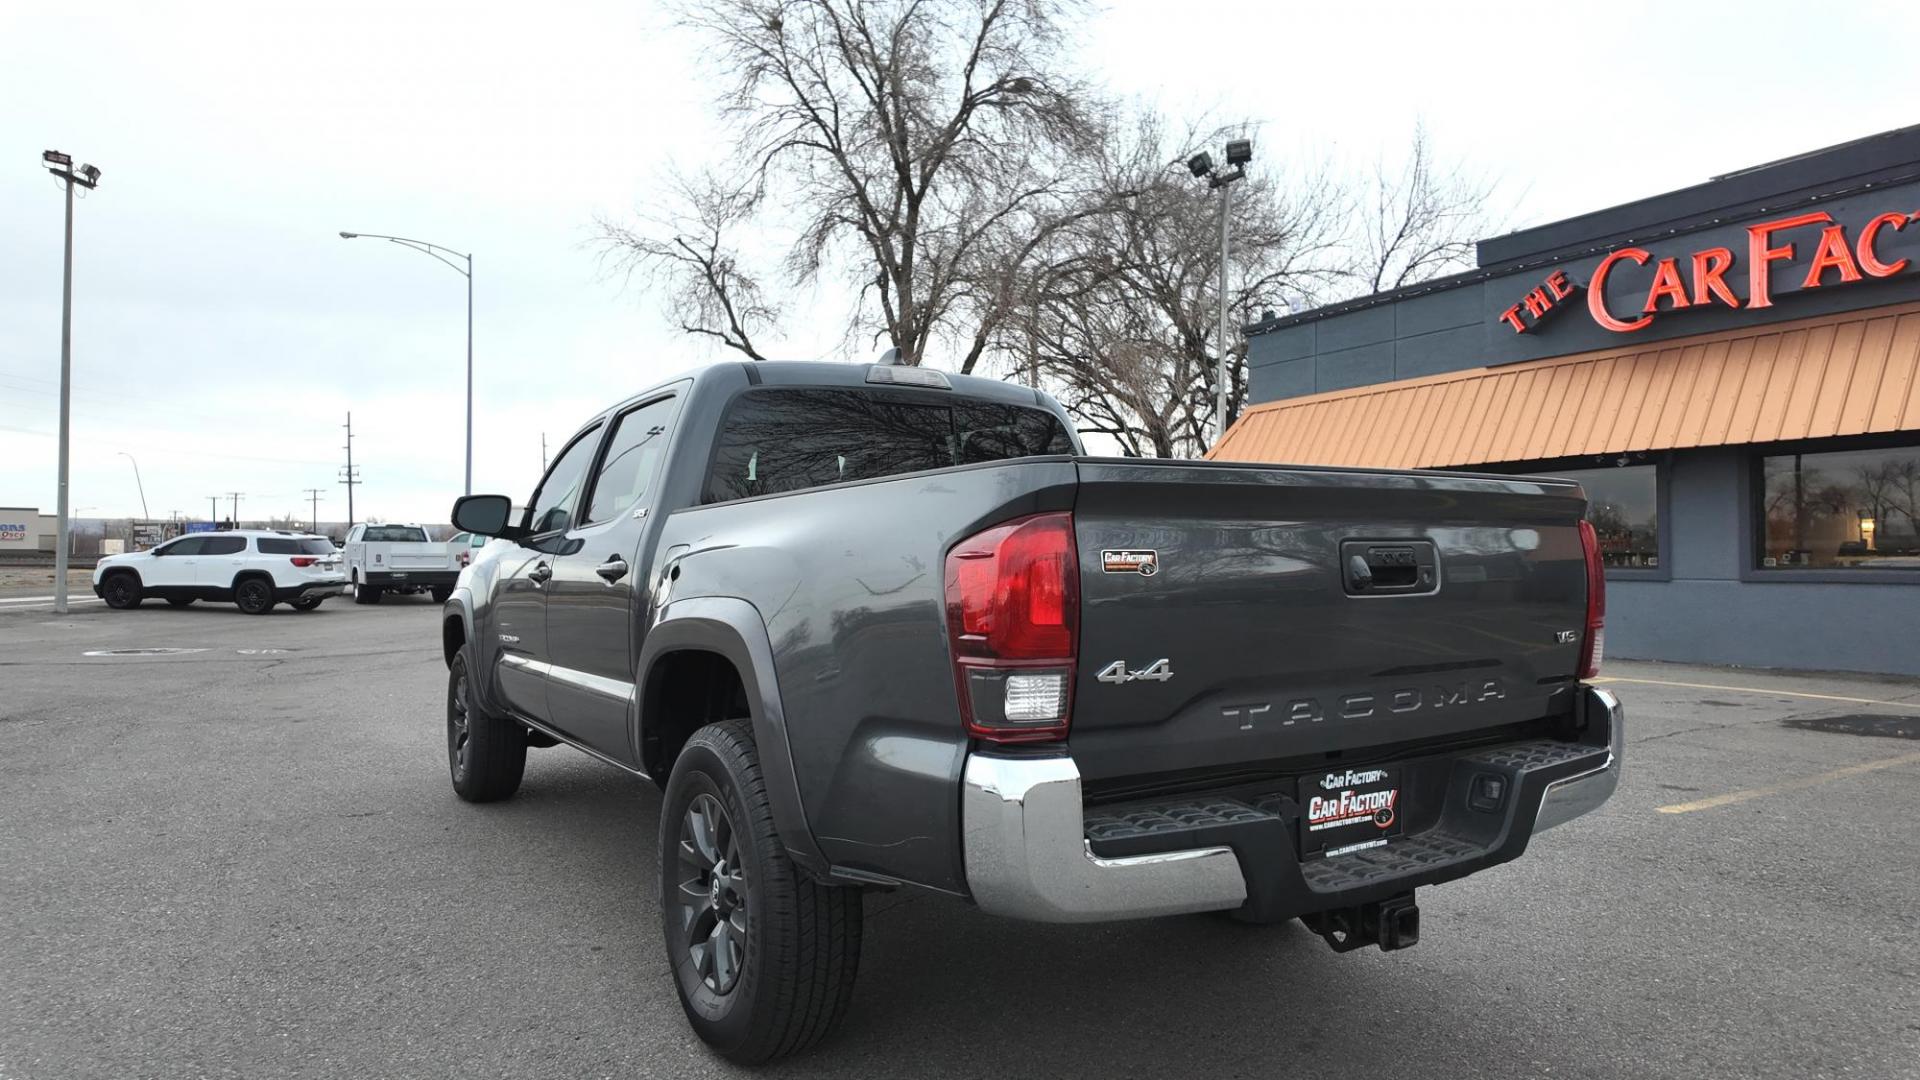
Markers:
<point>1709,277</point>
<point>1761,257</point>
<point>1537,302</point>
<point>1557,281</point>
<point>1666,283</point>
<point>1869,261</point>
<point>1511,317</point>
<point>1597,292</point>
<point>1832,254</point>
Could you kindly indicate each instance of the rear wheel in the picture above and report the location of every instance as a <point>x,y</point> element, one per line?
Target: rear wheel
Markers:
<point>486,755</point>
<point>364,593</point>
<point>763,956</point>
<point>121,590</point>
<point>253,595</point>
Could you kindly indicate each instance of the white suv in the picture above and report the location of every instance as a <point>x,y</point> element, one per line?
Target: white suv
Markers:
<point>254,569</point>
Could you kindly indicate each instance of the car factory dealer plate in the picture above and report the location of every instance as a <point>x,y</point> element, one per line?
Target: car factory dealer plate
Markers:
<point>1348,810</point>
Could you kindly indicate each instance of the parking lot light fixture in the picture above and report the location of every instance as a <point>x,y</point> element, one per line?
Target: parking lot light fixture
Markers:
<point>61,166</point>
<point>466,271</point>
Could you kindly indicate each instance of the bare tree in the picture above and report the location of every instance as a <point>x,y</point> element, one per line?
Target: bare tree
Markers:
<point>687,249</point>
<point>1119,315</point>
<point>912,142</point>
<point>1418,221</point>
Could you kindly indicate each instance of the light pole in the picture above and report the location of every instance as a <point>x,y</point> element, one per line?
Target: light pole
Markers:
<point>138,484</point>
<point>1239,152</point>
<point>441,253</point>
<point>61,166</point>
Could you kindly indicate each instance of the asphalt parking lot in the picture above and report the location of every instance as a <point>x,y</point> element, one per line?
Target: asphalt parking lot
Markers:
<point>245,861</point>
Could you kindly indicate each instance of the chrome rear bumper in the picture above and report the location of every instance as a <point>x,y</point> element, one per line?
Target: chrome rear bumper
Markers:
<point>1027,854</point>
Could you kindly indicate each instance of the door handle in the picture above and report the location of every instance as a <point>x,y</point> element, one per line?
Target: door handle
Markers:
<point>612,570</point>
<point>540,574</point>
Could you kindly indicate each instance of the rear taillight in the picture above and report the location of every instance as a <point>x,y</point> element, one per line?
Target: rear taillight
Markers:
<point>304,560</point>
<point>1593,642</point>
<point>1013,616</point>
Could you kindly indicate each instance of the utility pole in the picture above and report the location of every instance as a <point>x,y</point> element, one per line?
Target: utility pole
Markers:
<point>349,475</point>
<point>235,496</point>
<point>61,166</point>
<point>314,494</point>
<point>213,509</point>
<point>543,453</point>
<point>1239,153</point>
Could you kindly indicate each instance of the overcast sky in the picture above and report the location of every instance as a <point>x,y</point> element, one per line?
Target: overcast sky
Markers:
<point>223,330</point>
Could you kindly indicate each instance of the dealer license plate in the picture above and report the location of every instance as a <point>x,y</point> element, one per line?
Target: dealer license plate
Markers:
<point>1347,810</point>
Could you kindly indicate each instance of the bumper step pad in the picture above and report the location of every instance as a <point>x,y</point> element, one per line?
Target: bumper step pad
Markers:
<point>1445,838</point>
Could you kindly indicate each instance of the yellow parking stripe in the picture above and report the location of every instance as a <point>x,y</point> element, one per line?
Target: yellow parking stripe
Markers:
<point>1761,690</point>
<point>1791,785</point>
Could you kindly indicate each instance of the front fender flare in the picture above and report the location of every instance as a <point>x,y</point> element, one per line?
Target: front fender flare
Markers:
<point>733,628</point>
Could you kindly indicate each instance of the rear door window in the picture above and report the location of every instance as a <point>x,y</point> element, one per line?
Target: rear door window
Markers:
<point>780,440</point>
<point>223,545</point>
<point>294,545</point>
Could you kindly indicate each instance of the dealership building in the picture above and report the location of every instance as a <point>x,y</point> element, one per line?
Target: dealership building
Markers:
<point>1732,370</point>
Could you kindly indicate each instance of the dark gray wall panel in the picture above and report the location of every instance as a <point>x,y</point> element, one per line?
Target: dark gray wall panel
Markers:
<point>1772,624</point>
<point>1443,350</point>
<point>1271,382</point>
<point>1363,366</point>
<point>1439,311</point>
<point>1366,327</point>
<point>1292,343</point>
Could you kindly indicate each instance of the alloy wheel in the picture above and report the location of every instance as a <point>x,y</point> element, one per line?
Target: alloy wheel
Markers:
<point>458,727</point>
<point>713,894</point>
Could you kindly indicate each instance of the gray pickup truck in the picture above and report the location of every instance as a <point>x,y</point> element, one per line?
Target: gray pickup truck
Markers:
<point>874,627</point>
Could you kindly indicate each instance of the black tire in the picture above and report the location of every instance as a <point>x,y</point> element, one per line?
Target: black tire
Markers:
<point>364,593</point>
<point>180,601</point>
<point>794,956</point>
<point>121,589</point>
<point>486,755</point>
<point>305,603</point>
<point>253,595</point>
<point>441,592</point>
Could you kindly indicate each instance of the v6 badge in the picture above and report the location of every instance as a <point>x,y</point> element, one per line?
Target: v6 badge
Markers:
<point>1130,561</point>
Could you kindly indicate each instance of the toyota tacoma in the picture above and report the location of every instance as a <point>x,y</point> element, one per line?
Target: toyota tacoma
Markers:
<point>879,627</point>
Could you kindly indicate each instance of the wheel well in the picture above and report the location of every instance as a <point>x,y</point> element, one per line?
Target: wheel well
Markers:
<point>686,691</point>
<point>121,571</point>
<point>453,637</point>
<point>245,574</point>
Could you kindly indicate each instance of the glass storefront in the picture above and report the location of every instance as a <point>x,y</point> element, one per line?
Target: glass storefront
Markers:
<point>1624,506</point>
<point>1841,510</point>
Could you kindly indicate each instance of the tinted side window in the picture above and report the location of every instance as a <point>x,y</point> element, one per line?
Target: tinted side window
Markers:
<point>553,503</point>
<point>631,462</point>
<point>989,432</point>
<point>775,441</point>
<point>293,545</point>
<point>223,545</point>
<point>189,545</point>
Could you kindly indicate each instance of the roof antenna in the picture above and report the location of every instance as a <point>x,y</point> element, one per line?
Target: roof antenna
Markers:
<point>890,358</point>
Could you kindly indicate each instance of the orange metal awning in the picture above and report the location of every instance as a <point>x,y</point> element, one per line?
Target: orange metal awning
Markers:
<point>1837,375</point>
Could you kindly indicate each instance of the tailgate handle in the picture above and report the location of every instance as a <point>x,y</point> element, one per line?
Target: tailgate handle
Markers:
<point>1376,568</point>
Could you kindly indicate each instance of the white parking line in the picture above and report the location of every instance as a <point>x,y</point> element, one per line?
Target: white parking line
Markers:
<point>35,603</point>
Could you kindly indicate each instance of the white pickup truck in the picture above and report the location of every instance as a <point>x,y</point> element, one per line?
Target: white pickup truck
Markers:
<point>398,559</point>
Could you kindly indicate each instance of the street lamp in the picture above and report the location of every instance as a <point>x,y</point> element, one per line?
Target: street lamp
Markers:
<point>1239,153</point>
<point>441,253</point>
<point>61,166</point>
<point>138,484</point>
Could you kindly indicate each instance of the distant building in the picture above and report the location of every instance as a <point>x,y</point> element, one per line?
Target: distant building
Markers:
<point>25,528</point>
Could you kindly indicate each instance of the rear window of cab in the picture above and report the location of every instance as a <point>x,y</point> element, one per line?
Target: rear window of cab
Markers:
<point>775,441</point>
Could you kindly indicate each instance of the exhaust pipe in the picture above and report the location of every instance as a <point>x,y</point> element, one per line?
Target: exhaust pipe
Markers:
<point>1393,923</point>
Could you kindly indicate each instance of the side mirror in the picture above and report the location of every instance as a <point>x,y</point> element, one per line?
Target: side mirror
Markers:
<point>487,515</point>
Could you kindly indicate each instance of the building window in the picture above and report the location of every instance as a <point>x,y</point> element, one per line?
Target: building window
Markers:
<point>1841,510</point>
<point>1624,506</point>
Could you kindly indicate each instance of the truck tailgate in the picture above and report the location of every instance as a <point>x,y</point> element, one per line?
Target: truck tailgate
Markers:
<point>1235,615</point>
<point>414,556</point>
